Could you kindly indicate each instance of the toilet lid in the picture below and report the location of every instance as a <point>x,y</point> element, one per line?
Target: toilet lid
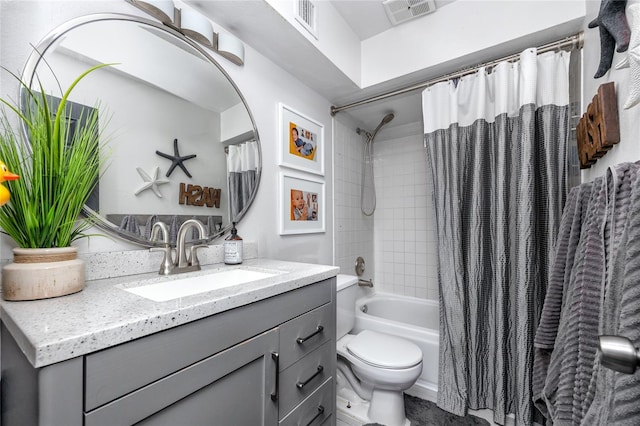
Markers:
<point>385,351</point>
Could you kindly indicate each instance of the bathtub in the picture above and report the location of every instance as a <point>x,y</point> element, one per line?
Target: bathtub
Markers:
<point>411,318</point>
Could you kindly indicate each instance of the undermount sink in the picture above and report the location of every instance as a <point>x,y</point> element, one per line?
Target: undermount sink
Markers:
<point>162,289</point>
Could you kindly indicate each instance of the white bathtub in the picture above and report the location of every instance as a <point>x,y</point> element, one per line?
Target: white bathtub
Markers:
<point>409,317</point>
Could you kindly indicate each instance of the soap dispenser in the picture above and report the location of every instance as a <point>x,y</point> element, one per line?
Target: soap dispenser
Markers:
<point>233,247</point>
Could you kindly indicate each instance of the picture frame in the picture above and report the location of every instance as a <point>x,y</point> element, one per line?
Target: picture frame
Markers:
<point>306,151</point>
<point>302,204</point>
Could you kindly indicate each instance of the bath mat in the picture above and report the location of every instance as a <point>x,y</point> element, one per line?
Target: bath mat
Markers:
<point>427,413</point>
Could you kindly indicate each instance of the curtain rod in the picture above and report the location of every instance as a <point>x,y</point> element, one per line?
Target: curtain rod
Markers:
<point>572,42</point>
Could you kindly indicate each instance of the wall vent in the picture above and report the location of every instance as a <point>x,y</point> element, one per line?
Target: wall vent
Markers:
<point>306,13</point>
<point>400,11</point>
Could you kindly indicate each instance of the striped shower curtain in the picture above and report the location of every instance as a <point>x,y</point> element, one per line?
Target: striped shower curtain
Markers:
<point>242,166</point>
<point>496,146</point>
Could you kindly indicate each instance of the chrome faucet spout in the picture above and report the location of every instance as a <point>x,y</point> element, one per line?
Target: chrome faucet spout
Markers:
<point>160,230</point>
<point>365,283</point>
<point>189,261</point>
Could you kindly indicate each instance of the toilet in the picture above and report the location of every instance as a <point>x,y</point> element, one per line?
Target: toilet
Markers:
<point>379,367</point>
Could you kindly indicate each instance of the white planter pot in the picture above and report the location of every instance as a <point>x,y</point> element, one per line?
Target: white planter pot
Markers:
<point>42,273</point>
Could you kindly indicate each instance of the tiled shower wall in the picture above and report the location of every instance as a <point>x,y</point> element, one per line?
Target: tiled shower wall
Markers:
<point>404,225</point>
<point>398,242</point>
<point>353,230</point>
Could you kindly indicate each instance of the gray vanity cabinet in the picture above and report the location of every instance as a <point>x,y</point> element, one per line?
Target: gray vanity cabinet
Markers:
<point>268,363</point>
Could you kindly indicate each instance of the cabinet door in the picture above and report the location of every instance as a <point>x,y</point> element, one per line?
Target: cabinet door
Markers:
<point>230,388</point>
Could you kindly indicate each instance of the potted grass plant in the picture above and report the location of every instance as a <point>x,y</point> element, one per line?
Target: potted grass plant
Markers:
<point>58,168</point>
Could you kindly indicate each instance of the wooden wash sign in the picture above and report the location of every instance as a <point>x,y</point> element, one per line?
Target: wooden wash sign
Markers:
<point>598,129</point>
<point>196,195</point>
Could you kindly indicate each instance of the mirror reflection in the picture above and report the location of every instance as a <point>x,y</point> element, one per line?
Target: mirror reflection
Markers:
<point>181,140</point>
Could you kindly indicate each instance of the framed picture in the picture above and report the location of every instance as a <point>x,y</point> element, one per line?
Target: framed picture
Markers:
<point>301,204</point>
<point>301,141</point>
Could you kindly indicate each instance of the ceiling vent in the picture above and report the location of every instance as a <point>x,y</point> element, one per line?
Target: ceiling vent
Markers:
<point>306,14</point>
<point>400,11</point>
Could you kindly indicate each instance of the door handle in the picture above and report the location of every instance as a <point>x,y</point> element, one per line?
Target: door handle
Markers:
<point>619,354</point>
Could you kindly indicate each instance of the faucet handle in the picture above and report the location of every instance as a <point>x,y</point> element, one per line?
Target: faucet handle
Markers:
<point>167,265</point>
<point>193,257</point>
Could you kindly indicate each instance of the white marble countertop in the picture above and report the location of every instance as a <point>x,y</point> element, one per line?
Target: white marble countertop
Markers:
<point>104,315</point>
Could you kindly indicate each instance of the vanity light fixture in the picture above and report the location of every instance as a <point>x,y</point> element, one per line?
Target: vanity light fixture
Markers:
<point>194,25</point>
<point>162,10</point>
<point>230,47</point>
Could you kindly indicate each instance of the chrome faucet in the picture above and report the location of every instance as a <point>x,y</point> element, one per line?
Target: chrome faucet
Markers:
<point>189,261</point>
<point>167,265</point>
<point>184,261</point>
<point>365,283</point>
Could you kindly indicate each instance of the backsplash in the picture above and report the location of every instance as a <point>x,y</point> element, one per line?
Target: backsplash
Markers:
<point>131,262</point>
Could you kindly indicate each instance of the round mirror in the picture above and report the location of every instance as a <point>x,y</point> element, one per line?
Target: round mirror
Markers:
<point>182,142</point>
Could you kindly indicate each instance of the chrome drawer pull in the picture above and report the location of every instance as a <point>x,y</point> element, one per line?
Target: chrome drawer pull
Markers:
<point>320,411</point>
<point>276,357</point>
<point>301,340</point>
<point>300,385</point>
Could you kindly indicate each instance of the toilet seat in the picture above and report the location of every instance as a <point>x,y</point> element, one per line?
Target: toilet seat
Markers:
<point>384,351</point>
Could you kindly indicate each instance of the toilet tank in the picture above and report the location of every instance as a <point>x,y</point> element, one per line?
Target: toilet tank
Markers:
<point>347,291</point>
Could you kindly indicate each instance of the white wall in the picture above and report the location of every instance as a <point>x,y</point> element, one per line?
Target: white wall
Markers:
<point>263,85</point>
<point>335,39</point>
<point>462,33</point>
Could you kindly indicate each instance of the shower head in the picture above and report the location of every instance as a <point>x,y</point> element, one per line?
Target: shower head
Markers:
<point>387,118</point>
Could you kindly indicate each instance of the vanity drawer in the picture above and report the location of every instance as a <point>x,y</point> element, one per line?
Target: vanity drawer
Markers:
<point>302,378</point>
<point>304,334</point>
<point>317,409</point>
<point>231,386</point>
<point>119,370</point>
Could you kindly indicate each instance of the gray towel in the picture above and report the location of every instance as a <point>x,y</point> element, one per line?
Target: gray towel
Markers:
<point>211,225</point>
<point>149,226</point>
<point>566,372</point>
<point>626,409</point>
<point>616,395</point>
<point>174,226</point>
<point>130,224</point>
<point>545,338</point>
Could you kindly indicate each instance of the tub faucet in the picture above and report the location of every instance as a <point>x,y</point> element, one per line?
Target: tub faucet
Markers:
<point>189,261</point>
<point>365,283</point>
<point>167,265</point>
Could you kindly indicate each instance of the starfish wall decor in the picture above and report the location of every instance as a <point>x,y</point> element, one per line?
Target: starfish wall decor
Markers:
<point>614,29</point>
<point>176,159</point>
<point>150,182</point>
<point>632,60</point>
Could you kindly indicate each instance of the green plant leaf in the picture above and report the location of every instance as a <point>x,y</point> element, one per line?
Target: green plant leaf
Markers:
<point>57,176</point>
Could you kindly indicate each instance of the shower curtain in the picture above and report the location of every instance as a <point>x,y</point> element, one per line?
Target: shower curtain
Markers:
<point>496,146</point>
<point>242,166</point>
